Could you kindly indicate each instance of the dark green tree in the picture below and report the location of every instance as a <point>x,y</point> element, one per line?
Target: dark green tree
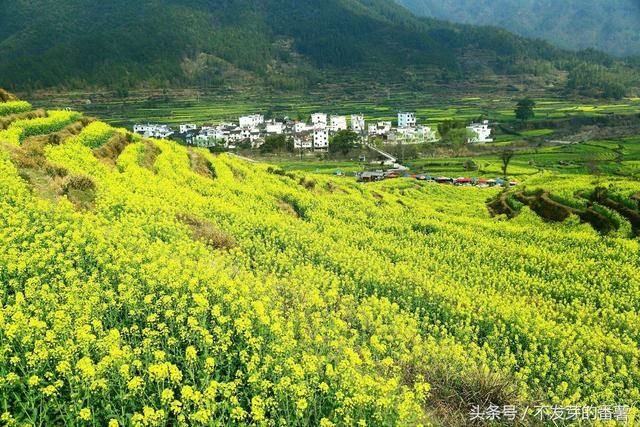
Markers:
<point>447,126</point>
<point>275,144</point>
<point>505,157</point>
<point>343,142</point>
<point>524,109</point>
<point>613,91</point>
<point>458,138</point>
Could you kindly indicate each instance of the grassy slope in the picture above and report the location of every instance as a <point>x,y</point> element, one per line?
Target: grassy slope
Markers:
<point>337,301</point>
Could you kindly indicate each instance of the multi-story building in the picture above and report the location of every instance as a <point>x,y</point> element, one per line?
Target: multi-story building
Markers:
<point>414,135</point>
<point>187,128</point>
<point>320,138</point>
<point>251,121</point>
<point>338,123</point>
<point>357,123</point>
<point>406,120</point>
<point>303,140</point>
<point>299,127</point>
<point>481,133</point>
<point>380,128</point>
<point>274,128</point>
<point>319,120</point>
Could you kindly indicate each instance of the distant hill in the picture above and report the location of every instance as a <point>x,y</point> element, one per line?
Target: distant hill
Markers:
<point>287,44</point>
<point>612,26</point>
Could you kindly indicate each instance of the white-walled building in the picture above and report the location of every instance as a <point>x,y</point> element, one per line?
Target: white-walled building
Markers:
<point>208,137</point>
<point>357,123</point>
<point>275,128</point>
<point>153,130</point>
<point>299,127</point>
<point>251,121</point>
<point>188,127</point>
<point>406,120</point>
<point>482,132</point>
<point>338,123</point>
<point>320,138</point>
<point>415,135</point>
<point>380,128</point>
<point>429,134</point>
<point>319,119</point>
<point>303,140</point>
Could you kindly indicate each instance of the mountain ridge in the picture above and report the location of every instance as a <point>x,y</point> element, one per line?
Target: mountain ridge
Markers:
<point>288,44</point>
<point>610,26</point>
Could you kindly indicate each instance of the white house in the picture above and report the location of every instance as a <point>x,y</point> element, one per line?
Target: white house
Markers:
<point>211,135</point>
<point>414,135</point>
<point>338,123</point>
<point>187,127</point>
<point>380,128</point>
<point>303,140</point>
<point>428,133</point>
<point>236,135</point>
<point>276,128</point>
<point>251,121</point>
<point>153,130</point>
<point>357,123</point>
<point>406,120</point>
<point>300,127</point>
<point>207,137</point>
<point>482,133</point>
<point>319,120</point>
<point>320,138</point>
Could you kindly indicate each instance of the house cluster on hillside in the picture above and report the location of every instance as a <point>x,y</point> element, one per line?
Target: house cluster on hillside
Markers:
<point>153,131</point>
<point>314,134</point>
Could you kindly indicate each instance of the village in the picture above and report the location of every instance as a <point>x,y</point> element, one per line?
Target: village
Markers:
<point>314,134</point>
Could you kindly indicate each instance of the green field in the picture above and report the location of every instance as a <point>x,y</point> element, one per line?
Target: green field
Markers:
<point>382,105</point>
<point>608,157</point>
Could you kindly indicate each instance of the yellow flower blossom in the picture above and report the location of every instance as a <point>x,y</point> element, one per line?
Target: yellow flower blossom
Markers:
<point>135,384</point>
<point>167,395</point>
<point>33,380</point>
<point>191,354</point>
<point>85,414</point>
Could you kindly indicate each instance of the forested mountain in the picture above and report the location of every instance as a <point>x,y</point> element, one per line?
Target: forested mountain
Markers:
<point>276,43</point>
<point>609,25</point>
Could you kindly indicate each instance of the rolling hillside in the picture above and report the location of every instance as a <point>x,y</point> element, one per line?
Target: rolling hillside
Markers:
<point>146,283</point>
<point>288,44</point>
<point>611,26</point>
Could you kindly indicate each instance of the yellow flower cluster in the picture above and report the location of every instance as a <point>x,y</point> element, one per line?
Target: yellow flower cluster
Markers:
<point>337,304</point>
<point>21,129</point>
<point>14,107</point>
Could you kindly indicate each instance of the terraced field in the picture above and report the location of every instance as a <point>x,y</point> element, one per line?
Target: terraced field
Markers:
<point>607,157</point>
<point>381,105</point>
<point>146,283</point>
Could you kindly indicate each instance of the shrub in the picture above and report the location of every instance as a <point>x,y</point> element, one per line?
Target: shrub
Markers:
<point>207,233</point>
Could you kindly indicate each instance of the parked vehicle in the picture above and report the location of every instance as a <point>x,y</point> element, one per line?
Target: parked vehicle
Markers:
<point>444,180</point>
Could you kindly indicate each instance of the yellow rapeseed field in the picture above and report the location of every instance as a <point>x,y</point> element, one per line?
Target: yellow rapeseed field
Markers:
<point>236,295</point>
